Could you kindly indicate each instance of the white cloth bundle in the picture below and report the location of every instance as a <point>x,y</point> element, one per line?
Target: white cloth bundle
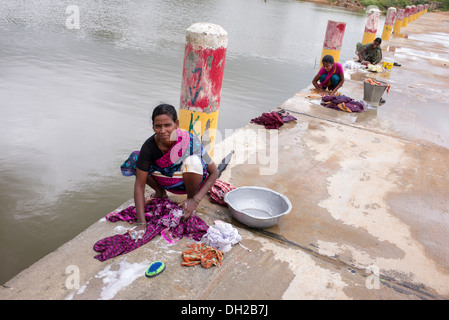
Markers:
<point>221,236</point>
<point>351,64</point>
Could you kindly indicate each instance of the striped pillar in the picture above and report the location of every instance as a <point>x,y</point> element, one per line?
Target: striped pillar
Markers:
<point>406,16</point>
<point>412,14</point>
<point>388,26</point>
<point>333,39</point>
<point>202,76</point>
<point>420,10</point>
<point>398,22</point>
<point>372,22</point>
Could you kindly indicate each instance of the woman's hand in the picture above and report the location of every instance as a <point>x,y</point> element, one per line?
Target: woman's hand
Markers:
<point>190,205</point>
<point>137,232</point>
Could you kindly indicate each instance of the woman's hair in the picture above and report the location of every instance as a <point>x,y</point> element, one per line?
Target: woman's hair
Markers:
<point>378,40</point>
<point>167,109</point>
<point>328,58</point>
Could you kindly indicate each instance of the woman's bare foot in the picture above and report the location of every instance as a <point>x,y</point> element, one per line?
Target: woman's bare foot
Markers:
<point>156,195</point>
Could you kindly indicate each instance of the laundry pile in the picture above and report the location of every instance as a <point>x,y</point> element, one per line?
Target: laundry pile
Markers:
<point>343,103</point>
<point>217,240</point>
<point>164,218</point>
<point>274,119</point>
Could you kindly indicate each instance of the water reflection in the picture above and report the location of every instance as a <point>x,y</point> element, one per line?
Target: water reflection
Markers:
<point>420,54</point>
<point>436,37</point>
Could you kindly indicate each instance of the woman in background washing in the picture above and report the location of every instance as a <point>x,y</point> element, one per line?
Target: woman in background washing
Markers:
<point>370,53</point>
<point>330,76</point>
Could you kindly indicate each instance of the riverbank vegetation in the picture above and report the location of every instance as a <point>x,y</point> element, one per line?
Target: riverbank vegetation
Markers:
<point>383,5</point>
<point>445,6</point>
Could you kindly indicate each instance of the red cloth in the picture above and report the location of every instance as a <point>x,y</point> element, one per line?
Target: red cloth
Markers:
<point>218,191</point>
<point>270,120</point>
<point>274,119</point>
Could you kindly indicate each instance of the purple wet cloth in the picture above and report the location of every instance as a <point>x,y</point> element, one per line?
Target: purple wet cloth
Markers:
<point>160,217</point>
<point>343,103</point>
<point>286,116</point>
<point>274,119</point>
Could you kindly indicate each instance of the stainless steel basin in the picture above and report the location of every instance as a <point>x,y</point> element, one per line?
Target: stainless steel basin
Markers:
<point>257,207</point>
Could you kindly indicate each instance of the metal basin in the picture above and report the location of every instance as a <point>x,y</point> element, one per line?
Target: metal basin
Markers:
<point>373,93</point>
<point>257,207</point>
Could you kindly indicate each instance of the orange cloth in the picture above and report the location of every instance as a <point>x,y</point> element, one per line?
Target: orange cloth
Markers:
<point>376,83</point>
<point>202,254</point>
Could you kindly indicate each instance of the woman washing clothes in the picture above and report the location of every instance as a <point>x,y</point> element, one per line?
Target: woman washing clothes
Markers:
<point>370,53</point>
<point>330,76</point>
<point>170,160</point>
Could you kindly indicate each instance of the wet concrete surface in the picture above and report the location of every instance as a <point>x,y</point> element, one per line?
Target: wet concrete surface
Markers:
<point>370,196</point>
<point>372,188</point>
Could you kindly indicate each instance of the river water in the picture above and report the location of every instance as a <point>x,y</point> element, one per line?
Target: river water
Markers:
<point>75,102</point>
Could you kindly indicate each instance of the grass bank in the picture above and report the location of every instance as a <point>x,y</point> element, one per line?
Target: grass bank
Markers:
<point>385,4</point>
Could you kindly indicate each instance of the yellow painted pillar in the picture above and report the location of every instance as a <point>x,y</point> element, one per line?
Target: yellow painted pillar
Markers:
<point>333,39</point>
<point>398,22</point>
<point>406,16</point>
<point>413,13</point>
<point>202,77</point>
<point>372,22</point>
<point>388,26</point>
<point>420,10</point>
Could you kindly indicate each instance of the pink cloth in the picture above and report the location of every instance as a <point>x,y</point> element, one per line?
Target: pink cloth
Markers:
<point>218,190</point>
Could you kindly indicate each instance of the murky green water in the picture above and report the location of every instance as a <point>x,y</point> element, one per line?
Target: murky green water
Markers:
<point>76,102</point>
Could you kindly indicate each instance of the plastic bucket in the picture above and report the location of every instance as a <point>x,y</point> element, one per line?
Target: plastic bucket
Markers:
<point>372,93</point>
<point>387,63</point>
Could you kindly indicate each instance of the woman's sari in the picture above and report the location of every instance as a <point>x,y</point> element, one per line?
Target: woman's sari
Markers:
<point>167,170</point>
